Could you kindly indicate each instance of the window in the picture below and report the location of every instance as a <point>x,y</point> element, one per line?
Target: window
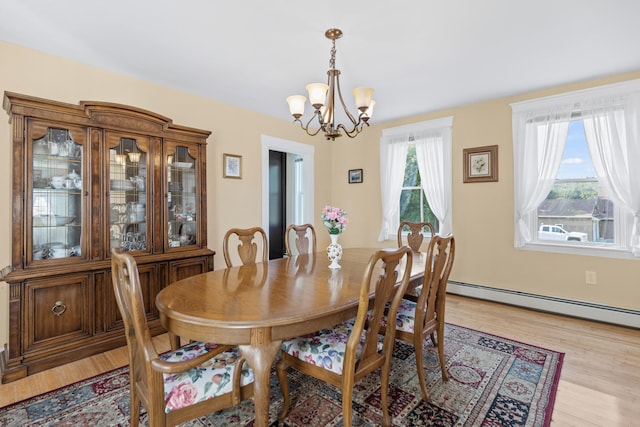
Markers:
<point>578,203</point>
<point>576,187</point>
<point>415,174</point>
<point>414,206</point>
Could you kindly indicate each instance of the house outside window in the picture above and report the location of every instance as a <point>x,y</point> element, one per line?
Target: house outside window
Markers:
<point>578,205</point>
<point>576,179</point>
<point>415,179</point>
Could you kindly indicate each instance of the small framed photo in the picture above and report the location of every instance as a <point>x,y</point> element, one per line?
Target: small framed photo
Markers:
<point>480,164</point>
<point>232,166</point>
<point>355,176</point>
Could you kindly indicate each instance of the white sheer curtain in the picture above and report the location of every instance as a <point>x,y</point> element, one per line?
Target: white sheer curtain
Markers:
<point>393,156</point>
<point>433,152</point>
<point>611,117</point>
<point>538,142</point>
<point>612,129</point>
<point>434,165</point>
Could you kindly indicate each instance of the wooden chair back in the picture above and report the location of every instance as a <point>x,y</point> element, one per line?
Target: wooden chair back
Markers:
<point>304,237</point>
<point>126,286</point>
<point>387,277</point>
<point>146,368</point>
<point>247,249</point>
<point>430,305</point>
<point>438,264</point>
<point>382,275</point>
<point>416,233</point>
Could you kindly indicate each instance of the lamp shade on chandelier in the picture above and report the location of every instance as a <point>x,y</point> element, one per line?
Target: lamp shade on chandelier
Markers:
<point>323,97</point>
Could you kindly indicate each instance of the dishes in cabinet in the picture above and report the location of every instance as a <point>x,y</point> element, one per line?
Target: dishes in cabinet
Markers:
<point>55,250</point>
<point>60,252</point>
<point>187,233</point>
<point>57,182</point>
<point>183,165</point>
<point>138,182</point>
<point>122,185</point>
<point>52,220</point>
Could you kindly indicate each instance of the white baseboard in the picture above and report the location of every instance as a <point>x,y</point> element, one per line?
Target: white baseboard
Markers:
<point>567,307</point>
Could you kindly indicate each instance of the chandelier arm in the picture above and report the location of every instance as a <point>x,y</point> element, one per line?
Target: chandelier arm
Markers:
<point>344,106</point>
<point>350,133</point>
<point>306,127</point>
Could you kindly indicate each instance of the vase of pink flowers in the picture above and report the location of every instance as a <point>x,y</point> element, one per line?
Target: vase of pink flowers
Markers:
<point>335,219</point>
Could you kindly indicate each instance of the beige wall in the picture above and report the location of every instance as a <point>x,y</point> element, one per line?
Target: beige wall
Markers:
<point>231,202</point>
<point>483,212</point>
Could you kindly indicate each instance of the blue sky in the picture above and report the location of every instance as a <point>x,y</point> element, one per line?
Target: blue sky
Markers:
<point>576,162</point>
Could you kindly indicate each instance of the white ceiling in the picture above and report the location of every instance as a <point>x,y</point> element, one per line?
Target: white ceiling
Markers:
<point>419,55</point>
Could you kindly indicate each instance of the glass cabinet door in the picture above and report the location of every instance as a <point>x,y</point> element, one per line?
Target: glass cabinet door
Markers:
<point>55,170</point>
<point>181,197</point>
<point>128,183</point>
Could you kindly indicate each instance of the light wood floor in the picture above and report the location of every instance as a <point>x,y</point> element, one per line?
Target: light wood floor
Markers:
<point>599,383</point>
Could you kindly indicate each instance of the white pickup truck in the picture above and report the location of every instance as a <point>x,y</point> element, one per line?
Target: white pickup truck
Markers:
<point>557,232</point>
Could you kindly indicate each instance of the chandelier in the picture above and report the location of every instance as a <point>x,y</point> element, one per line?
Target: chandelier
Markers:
<point>323,99</point>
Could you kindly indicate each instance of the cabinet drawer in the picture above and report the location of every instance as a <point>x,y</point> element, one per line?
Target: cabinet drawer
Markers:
<point>57,311</point>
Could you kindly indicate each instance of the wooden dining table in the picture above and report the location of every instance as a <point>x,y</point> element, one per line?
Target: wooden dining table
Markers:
<point>256,306</point>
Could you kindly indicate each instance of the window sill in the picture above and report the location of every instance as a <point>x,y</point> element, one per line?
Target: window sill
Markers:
<point>578,249</point>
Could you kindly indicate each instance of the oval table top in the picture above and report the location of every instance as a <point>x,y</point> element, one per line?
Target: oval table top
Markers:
<point>223,305</point>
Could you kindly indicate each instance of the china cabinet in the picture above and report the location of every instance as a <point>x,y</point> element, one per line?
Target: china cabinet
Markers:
<point>88,178</point>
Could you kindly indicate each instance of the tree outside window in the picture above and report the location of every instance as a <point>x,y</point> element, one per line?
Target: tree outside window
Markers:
<point>414,206</point>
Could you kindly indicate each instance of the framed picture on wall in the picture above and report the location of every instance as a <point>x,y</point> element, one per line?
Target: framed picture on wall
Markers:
<point>232,166</point>
<point>355,176</point>
<point>480,164</point>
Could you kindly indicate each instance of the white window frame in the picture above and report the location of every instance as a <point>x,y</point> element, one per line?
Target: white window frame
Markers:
<point>562,107</point>
<point>437,134</point>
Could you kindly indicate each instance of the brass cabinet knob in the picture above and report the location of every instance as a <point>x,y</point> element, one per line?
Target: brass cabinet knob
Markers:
<point>58,308</point>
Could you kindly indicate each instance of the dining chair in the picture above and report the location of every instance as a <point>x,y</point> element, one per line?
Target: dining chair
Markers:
<point>180,385</point>
<point>415,237</point>
<point>351,350</point>
<point>247,248</point>
<point>415,234</point>
<point>417,320</point>
<point>304,237</point>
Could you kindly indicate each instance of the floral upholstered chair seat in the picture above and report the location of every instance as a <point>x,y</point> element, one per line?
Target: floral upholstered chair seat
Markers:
<point>210,379</point>
<point>405,318</point>
<point>326,347</point>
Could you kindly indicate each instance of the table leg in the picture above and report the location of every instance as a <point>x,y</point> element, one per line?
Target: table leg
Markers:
<point>260,355</point>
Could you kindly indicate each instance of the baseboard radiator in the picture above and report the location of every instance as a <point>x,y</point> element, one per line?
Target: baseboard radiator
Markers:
<point>585,310</point>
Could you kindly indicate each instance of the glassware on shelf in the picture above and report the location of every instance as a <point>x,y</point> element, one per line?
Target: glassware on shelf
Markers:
<point>56,170</point>
<point>128,199</point>
<point>182,197</point>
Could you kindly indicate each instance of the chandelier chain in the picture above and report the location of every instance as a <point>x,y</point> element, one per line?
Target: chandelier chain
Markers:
<point>332,61</point>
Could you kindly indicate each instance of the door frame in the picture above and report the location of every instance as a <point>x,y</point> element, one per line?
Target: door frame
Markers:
<point>303,150</point>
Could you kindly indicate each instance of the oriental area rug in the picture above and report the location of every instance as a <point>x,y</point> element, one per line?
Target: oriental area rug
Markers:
<point>493,381</point>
